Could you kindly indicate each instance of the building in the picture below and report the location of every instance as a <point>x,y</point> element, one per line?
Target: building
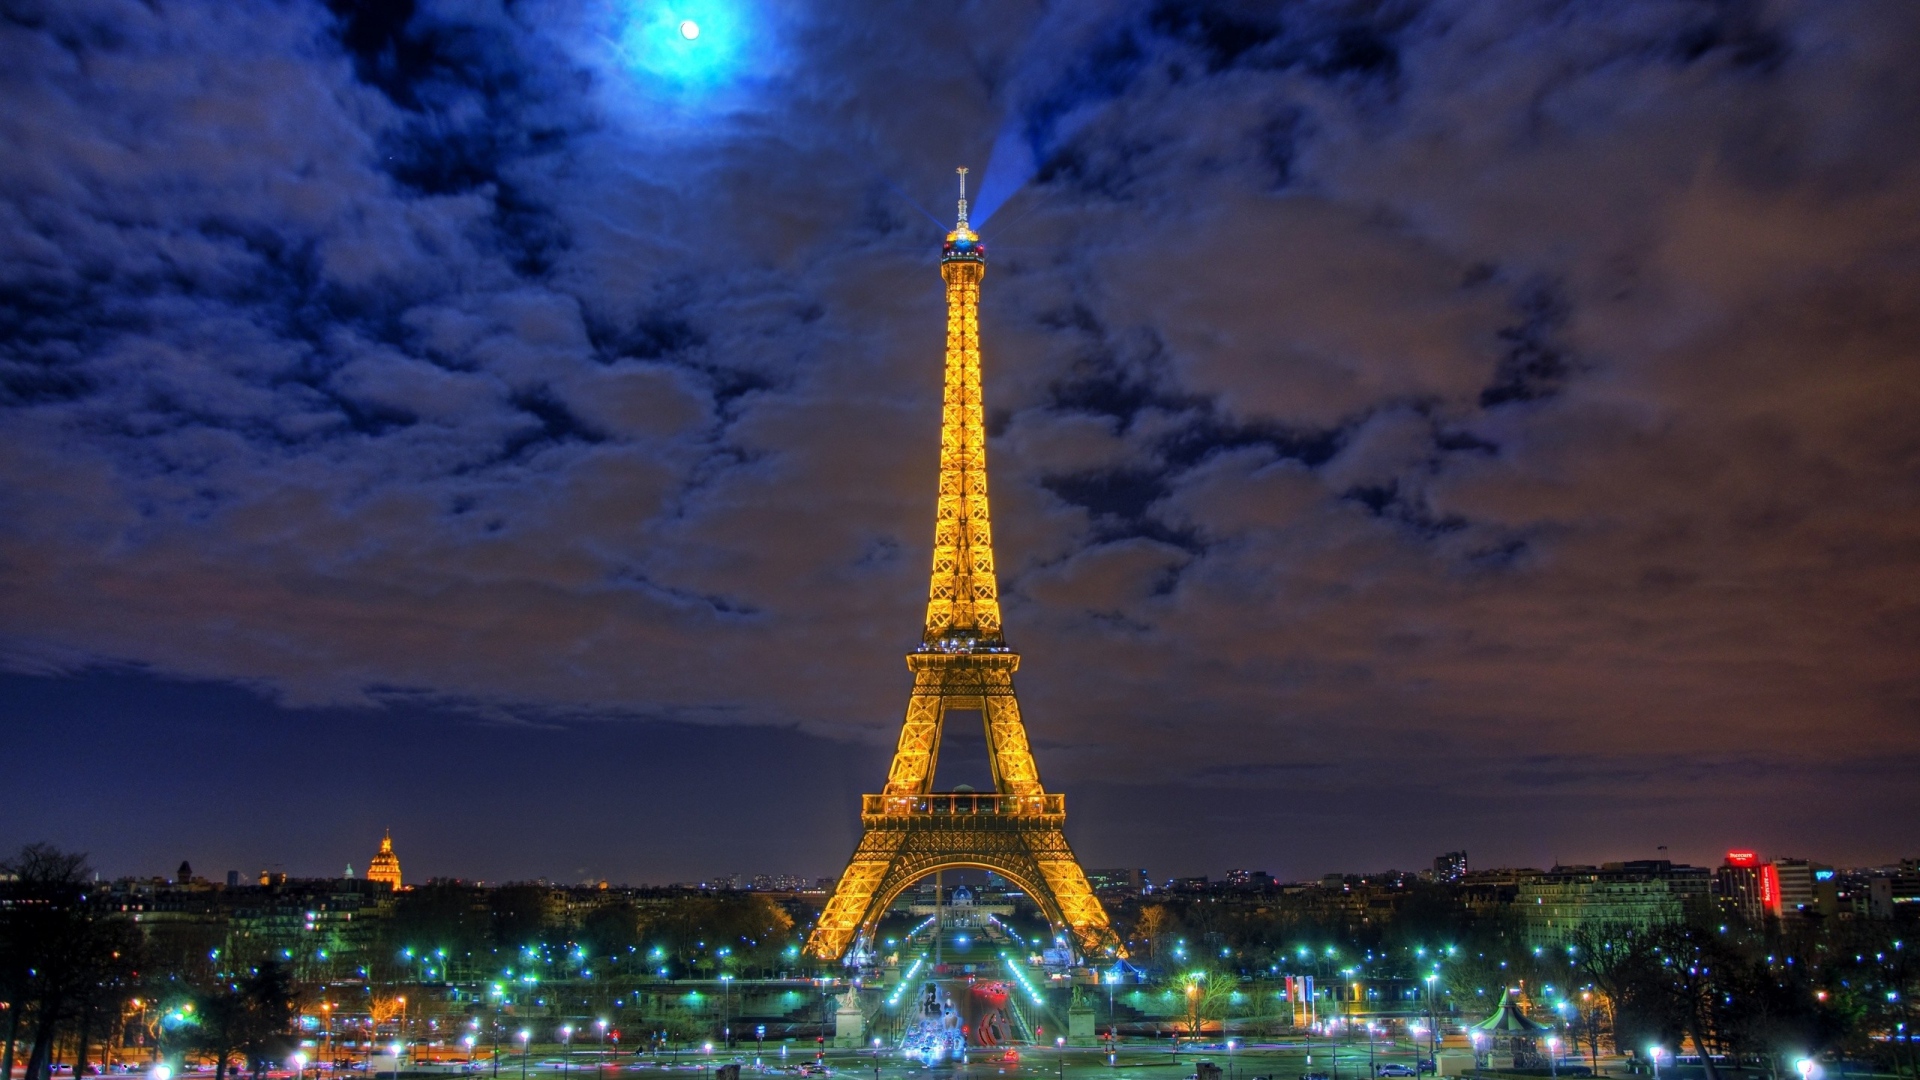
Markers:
<point>1744,886</point>
<point>1806,890</point>
<point>1561,903</point>
<point>1895,893</point>
<point>778,883</point>
<point>1451,867</point>
<point>385,867</point>
<point>1118,881</point>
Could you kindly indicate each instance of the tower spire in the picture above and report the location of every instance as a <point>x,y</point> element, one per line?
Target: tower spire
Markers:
<point>963,600</point>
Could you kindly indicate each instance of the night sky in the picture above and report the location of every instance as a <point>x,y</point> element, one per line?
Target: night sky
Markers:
<point>1413,426</point>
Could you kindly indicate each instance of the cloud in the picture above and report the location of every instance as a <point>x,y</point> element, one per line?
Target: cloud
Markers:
<point>1517,384</point>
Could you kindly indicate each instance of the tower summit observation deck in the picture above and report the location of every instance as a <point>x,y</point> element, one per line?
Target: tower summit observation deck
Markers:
<point>909,831</point>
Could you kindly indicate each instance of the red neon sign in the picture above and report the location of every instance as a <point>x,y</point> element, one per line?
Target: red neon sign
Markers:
<point>1770,888</point>
<point>1742,858</point>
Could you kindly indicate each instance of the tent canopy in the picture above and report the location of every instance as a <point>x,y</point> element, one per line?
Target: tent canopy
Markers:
<point>1508,1019</point>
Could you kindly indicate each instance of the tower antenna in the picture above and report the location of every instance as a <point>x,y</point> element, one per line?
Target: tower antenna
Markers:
<point>962,170</point>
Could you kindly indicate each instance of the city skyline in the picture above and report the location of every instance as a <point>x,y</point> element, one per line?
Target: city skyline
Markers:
<point>791,879</point>
<point>1414,427</point>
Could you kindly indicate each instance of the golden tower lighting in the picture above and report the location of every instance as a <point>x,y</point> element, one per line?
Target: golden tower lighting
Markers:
<point>963,663</point>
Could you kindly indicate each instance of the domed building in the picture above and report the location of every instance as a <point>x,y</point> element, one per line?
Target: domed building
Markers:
<point>385,867</point>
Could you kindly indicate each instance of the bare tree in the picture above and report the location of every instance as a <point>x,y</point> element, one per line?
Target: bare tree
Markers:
<point>60,962</point>
<point>1155,922</point>
<point>1205,995</point>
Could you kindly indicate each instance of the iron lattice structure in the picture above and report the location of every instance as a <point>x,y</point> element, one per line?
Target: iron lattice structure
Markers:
<point>963,663</point>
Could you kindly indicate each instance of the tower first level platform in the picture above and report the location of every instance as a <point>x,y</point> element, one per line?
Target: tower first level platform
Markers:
<point>909,831</point>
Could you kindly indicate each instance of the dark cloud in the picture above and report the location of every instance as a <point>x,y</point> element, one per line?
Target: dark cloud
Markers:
<point>1501,405</point>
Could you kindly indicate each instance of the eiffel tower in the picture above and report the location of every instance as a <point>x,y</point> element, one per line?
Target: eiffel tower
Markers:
<point>964,662</point>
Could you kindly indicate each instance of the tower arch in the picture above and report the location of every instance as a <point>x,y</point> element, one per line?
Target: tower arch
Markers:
<point>1018,875</point>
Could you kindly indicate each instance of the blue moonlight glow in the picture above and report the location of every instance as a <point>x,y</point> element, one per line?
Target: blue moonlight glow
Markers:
<point>689,44</point>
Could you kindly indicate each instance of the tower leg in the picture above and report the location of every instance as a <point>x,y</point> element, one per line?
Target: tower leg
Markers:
<point>847,909</point>
<point>1013,769</point>
<point>918,752</point>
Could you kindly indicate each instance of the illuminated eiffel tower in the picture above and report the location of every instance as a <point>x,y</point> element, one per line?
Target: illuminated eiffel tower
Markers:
<point>963,663</point>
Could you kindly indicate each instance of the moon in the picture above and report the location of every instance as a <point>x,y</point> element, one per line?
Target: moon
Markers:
<point>689,29</point>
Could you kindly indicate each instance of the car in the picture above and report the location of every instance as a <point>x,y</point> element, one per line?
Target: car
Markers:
<point>1394,1068</point>
<point>1315,1076</point>
<point>1424,1066</point>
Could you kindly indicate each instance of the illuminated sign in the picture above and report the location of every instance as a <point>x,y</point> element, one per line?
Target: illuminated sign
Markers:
<point>1770,888</point>
<point>1822,875</point>
<point>1742,858</point>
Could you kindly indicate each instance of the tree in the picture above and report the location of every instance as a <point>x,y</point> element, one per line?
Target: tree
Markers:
<point>1624,965</point>
<point>251,1017</point>
<point>1477,979</point>
<point>711,933</point>
<point>108,952</point>
<point>60,961</point>
<point>1671,980</point>
<point>442,922</point>
<point>1154,924</point>
<point>1695,965</point>
<point>1204,995</point>
<point>1770,1010</point>
<point>1591,1024</point>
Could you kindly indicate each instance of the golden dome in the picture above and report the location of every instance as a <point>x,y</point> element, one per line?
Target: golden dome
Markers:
<point>385,867</point>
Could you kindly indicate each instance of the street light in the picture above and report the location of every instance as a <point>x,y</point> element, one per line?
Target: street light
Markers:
<point>524,1051</point>
<point>1193,991</point>
<point>600,1068</point>
<point>299,1063</point>
<point>1654,1053</point>
<point>1553,1048</point>
<point>1060,1051</point>
<point>496,1031</point>
<point>1433,1026</point>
